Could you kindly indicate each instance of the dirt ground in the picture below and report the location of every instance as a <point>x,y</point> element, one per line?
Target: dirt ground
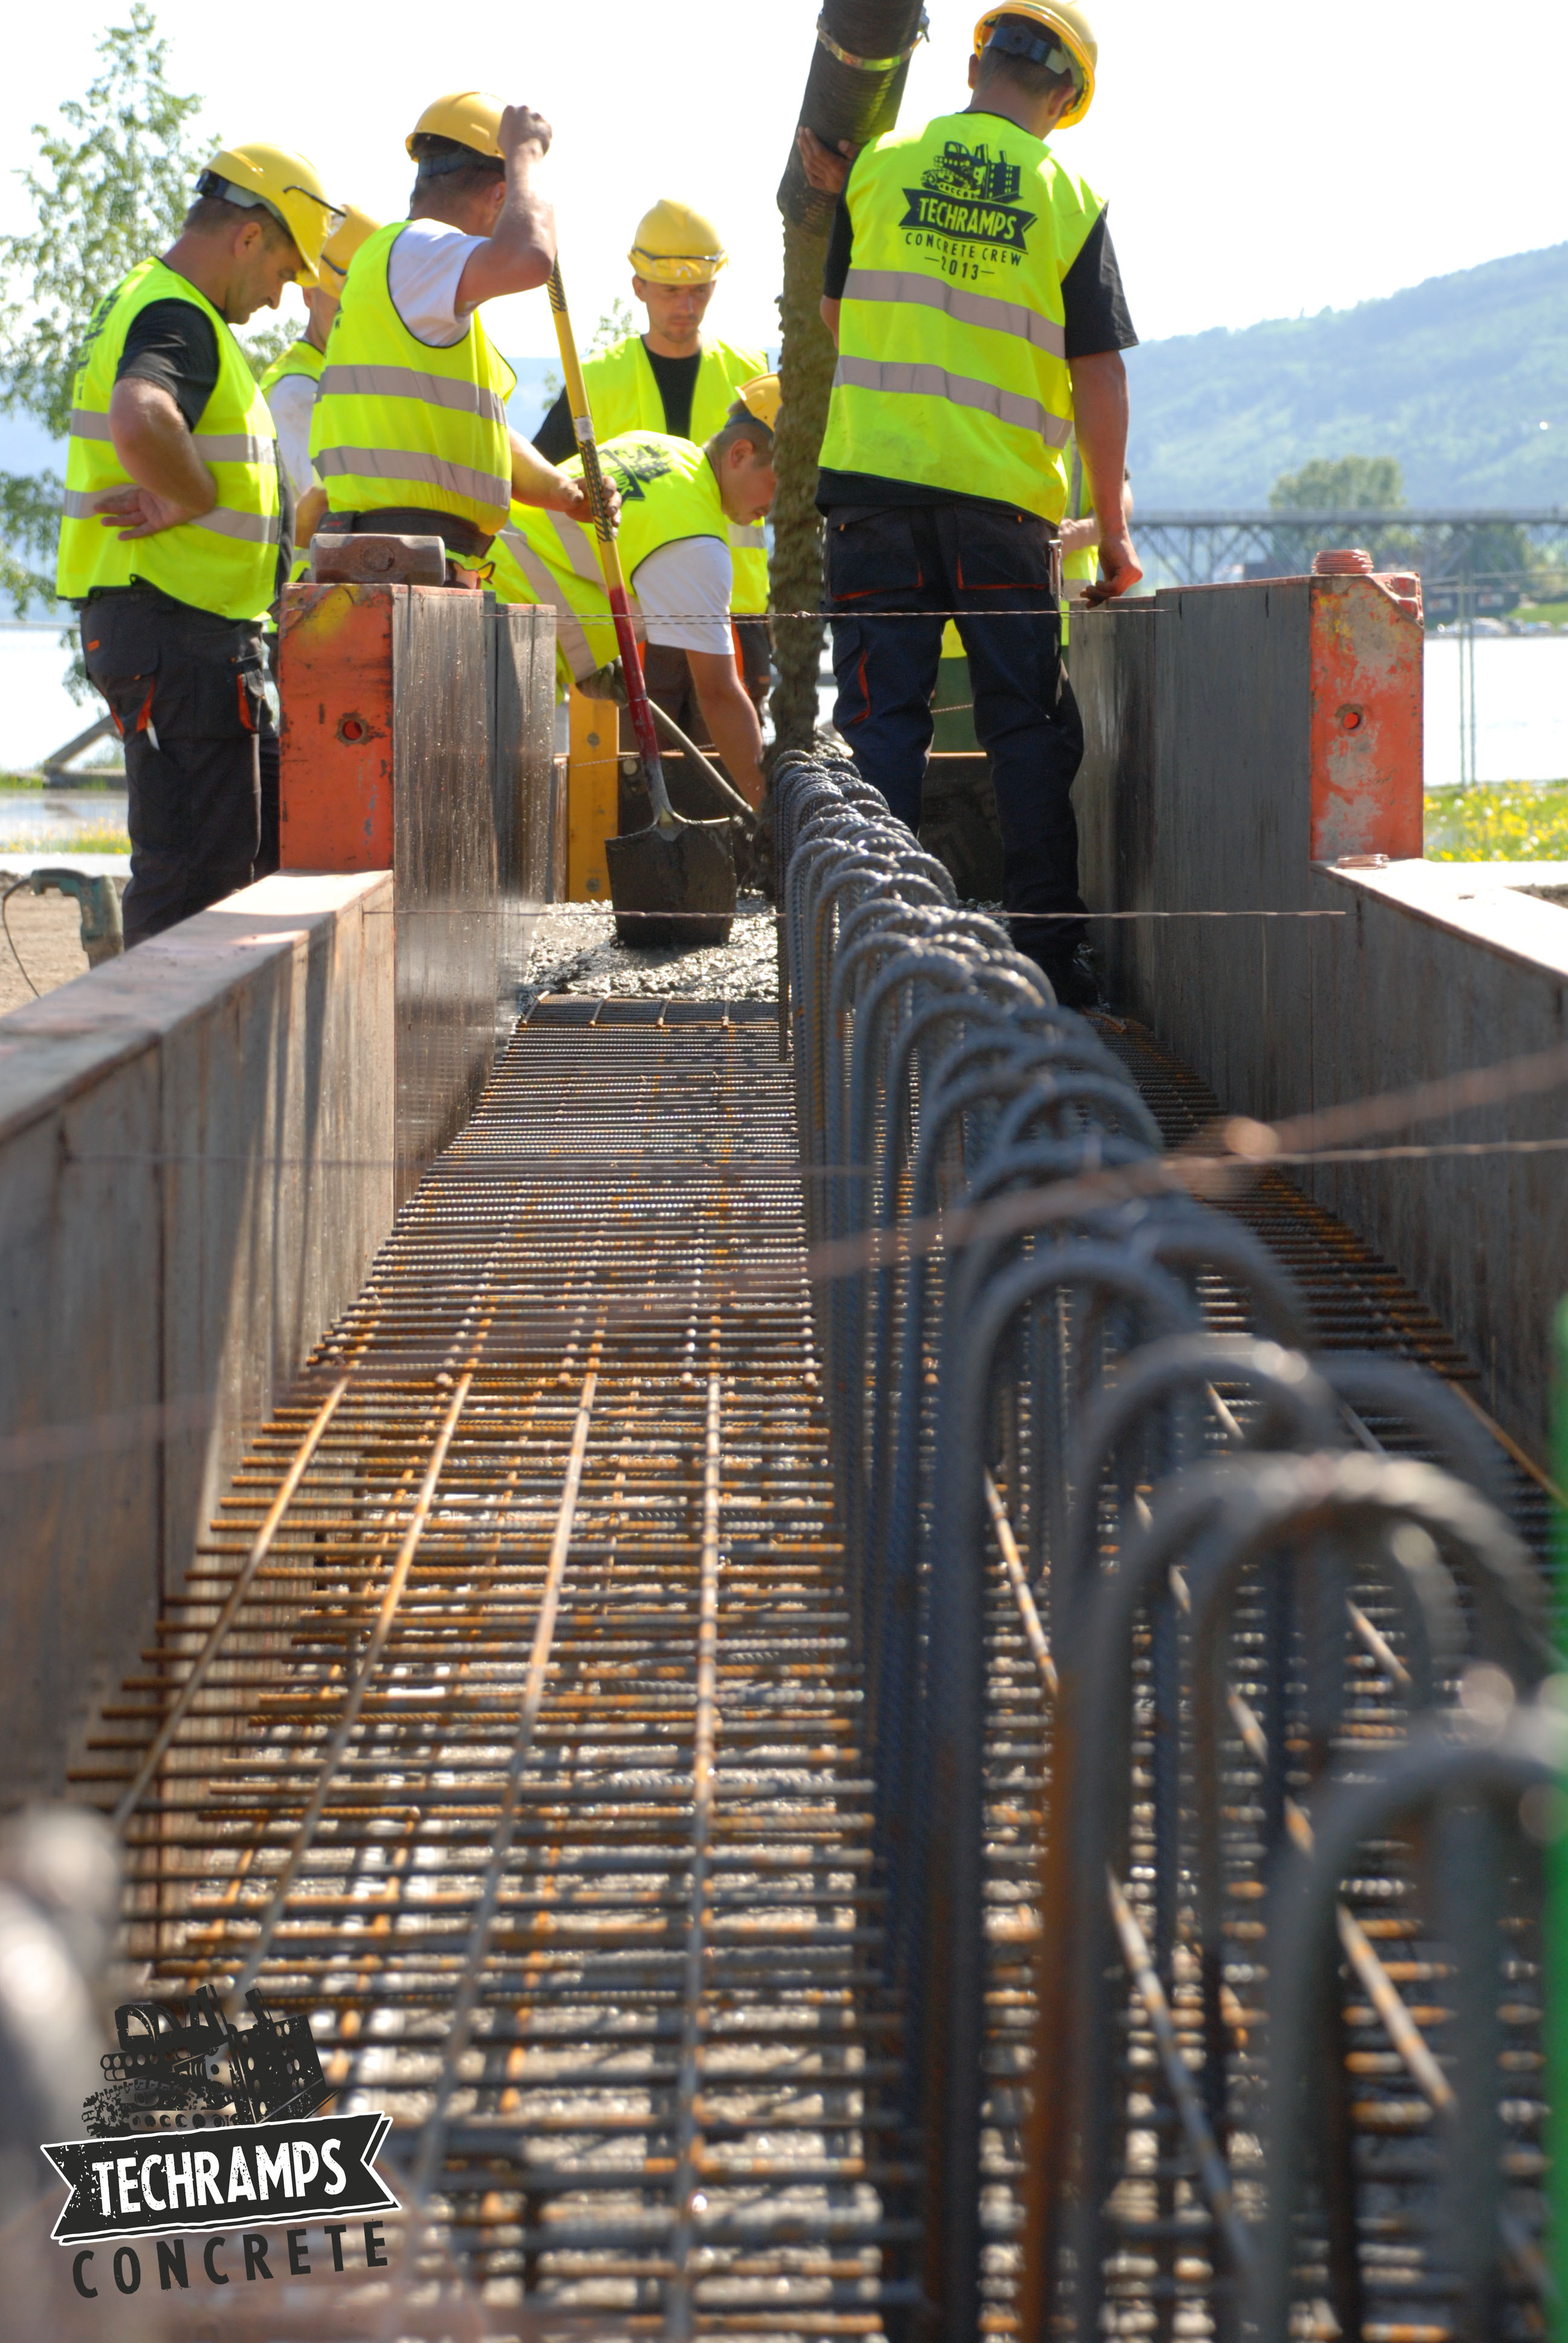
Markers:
<point>46,939</point>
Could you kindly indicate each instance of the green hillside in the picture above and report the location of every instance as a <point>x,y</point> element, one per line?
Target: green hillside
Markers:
<point>1453,377</point>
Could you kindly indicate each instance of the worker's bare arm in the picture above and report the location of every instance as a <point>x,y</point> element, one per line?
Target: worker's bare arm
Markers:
<point>826,169</point>
<point>170,482</point>
<point>1099,410</point>
<point>829,310</point>
<point>536,482</point>
<point>520,252</point>
<point>731,719</point>
<point>308,516</point>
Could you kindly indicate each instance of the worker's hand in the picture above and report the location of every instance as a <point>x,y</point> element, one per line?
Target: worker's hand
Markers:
<point>825,169</point>
<point>574,502</point>
<point>1119,569</point>
<point>522,126</point>
<point>134,512</point>
<point>1078,536</point>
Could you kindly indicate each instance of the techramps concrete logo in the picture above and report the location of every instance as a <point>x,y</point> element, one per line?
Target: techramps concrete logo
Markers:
<point>204,2129</point>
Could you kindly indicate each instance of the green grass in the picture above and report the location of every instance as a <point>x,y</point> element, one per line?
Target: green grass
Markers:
<point>100,838</point>
<point>1504,821</point>
<point>1551,613</point>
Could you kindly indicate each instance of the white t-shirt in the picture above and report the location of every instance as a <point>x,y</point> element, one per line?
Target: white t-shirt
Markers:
<point>292,399</point>
<point>683,592</point>
<point>422,273</point>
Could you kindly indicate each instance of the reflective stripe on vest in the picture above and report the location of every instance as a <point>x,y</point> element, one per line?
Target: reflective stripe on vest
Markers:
<point>392,408</point>
<point>212,446</point>
<point>225,561</point>
<point>458,483</point>
<point>518,575</point>
<point>412,382</point>
<point>624,395</point>
<point>952,369</point>
<point>906,381</point>
<point>968,308</point>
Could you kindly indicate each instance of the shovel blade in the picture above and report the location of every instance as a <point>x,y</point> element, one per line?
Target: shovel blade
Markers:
<point>673,887</point>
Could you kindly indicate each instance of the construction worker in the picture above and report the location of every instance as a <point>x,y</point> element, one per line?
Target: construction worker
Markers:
<point>290,382</point>
<point>973,293</point>
<point>677,500</point>
<point>677,379</point>
<point>409,433</point>
<point>176,521</point>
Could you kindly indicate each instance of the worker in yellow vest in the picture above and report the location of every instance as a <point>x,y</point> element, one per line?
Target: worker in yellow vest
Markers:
<point>676,379</point>
<point>289,383</point>
<point>409,433</point>
<point>175,524</point>
<point>677,502</point>
<point>973,290</point>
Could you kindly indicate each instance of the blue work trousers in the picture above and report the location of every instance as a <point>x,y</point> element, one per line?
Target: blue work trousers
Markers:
<point>987,567</point>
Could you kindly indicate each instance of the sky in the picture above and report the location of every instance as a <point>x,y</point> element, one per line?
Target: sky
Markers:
<point>1259,161</point>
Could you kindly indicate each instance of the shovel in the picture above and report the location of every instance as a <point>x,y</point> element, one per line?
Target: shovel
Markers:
<point>674,882</point>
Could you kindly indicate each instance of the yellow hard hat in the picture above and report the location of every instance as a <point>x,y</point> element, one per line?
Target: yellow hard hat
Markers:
<point>1073,32</point>
<point>340,249</point>
<point>761,397</point>
<point>285,185</point>
<point>471,116</point>
<point>676,245</point>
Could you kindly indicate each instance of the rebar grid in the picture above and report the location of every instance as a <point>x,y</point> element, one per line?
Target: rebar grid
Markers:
<point>507,1723</point>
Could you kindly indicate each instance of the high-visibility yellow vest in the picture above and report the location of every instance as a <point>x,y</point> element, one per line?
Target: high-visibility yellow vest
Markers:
<point>398,421</point>
<point>952,369</point>
<point>226,562</point>
<point>625,396</point>
<point>667,492</point>
<point>299,357</point>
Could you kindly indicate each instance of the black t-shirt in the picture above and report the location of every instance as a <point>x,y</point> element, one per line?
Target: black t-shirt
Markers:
<point>677,381</point>
<point>1095,318</point>
<point>171,343</point>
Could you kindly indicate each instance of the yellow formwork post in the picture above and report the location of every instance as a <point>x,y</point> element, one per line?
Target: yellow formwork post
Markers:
<point>593,785</point>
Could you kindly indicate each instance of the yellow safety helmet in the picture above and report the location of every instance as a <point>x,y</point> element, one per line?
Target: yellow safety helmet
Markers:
<point>1073,33</point>
<point>282,184</point>
<point>471,116</point>
<point>676,245</point>
<point>761,397</point>
<point>340,247</point>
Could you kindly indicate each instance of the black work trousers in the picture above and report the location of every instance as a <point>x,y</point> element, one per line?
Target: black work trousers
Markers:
<point>988,568</point>
<point>185,689</point>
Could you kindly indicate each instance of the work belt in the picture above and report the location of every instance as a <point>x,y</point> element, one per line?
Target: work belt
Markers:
<point>457,534</point>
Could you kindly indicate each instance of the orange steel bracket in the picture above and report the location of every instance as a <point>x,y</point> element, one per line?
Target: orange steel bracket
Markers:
<point>593,795</point>
<point>1366,718</point>
<point>335,681</point>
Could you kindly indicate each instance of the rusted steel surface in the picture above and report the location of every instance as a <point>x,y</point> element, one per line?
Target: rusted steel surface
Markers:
<point>1365,727</point>
<point>335,753</point>
<point>522,1750</point>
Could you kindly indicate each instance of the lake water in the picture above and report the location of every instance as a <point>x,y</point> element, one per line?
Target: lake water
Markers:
<point>1520,699</point>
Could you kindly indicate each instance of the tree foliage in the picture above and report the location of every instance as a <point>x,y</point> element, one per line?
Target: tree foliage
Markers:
<point>1341,484</point>
<point>111,186</point>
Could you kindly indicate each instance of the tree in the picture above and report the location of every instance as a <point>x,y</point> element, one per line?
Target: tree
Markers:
<point>1342,484</point>
<point>111,186</point>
